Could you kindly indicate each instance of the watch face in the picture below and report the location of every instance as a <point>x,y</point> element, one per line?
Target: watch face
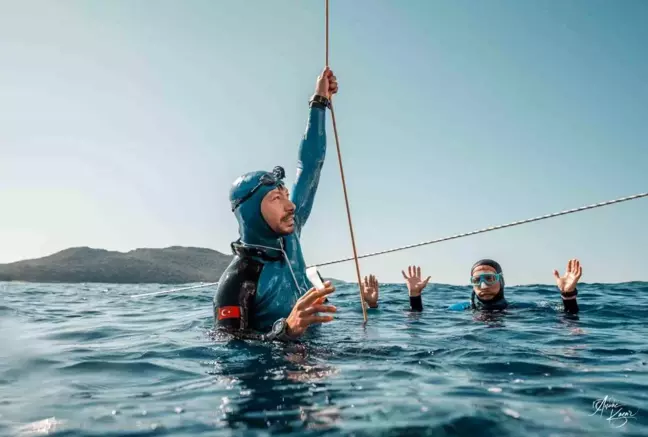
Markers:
<point>277,327</point>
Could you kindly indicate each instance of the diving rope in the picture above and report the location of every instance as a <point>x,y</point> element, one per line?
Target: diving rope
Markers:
<point>154,293</point>
<point>492,228</point>
<point>346,197</point>
<point>438,240</point>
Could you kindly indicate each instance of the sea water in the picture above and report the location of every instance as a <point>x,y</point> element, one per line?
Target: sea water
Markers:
<point>87,360</point>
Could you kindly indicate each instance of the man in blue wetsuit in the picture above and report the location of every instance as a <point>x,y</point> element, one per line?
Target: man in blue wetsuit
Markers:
<point>487,280</point>
<point>263,293</point>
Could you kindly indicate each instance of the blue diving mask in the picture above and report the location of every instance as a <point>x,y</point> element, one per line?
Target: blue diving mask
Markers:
<point>486,278</point>
<point>267,179</point>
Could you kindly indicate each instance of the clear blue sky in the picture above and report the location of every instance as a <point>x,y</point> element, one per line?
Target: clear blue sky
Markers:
<point>123,124</point>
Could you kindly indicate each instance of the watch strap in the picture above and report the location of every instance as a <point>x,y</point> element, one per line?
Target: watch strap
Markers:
<point>281,335</point>
<point>319,101</point>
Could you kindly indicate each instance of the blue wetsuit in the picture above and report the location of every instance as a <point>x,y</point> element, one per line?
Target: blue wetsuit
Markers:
<point>268,273</point>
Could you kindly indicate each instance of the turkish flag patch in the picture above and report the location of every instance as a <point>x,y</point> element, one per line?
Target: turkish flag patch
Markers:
<point>229,313</point>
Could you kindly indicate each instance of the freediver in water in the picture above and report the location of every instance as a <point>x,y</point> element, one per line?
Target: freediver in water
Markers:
<point>487,281</point>
<point>264,293</point>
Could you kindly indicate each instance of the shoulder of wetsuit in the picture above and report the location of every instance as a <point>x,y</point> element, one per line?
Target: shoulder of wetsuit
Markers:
<point>236,292</point>
<point>243,251</point>
<point>459,306</point>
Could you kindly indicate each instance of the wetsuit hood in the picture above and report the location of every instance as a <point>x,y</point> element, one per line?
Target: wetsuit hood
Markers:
<point>245,197</point>
<point>498,301</point>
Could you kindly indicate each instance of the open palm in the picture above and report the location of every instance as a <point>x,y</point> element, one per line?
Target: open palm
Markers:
<point>415,284</point>
<point>370,291</point>
<point>567,282</point>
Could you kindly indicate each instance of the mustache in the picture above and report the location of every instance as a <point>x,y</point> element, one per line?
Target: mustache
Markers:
<point>290,215</point>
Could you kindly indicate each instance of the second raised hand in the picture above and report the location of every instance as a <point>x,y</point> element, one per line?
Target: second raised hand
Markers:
<point>415,284</point>
<point>567,283</point>
<point>370,291</point>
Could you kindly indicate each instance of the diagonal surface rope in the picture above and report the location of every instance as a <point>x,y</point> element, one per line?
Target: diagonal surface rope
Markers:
<point>492,228</point>
<point>155,293</point>
<point>438,240</point>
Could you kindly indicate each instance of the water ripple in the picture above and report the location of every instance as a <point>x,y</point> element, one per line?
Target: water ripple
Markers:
<point>86,360</point>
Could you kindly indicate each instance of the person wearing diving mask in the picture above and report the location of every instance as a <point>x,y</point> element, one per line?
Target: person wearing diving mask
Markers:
<point>487,281</point>
<point>264,293</point>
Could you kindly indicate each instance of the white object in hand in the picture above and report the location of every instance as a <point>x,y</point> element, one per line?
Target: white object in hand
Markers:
<point>314,277</point>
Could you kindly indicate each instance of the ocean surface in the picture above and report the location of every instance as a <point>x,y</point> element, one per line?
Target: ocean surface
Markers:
<point>87,360</point>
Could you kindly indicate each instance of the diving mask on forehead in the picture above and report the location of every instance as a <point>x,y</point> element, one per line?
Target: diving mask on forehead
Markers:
<point>267,179</point>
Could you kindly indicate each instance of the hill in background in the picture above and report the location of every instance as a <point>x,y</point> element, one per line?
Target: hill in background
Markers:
<point>171,265</point>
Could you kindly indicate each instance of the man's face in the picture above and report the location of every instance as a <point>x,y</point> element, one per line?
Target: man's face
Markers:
<point>278,211</point>
<point>483,290</point>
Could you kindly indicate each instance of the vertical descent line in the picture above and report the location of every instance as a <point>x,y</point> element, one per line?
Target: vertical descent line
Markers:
<point>346,197</point>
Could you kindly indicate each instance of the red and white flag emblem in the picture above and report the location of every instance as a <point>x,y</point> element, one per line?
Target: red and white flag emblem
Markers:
<point>229,313</point>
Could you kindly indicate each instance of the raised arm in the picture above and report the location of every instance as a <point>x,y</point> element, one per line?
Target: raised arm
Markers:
<point>567,285</point>
<point>415,286</point>
<point>370,291</point>
<point>312,149</point>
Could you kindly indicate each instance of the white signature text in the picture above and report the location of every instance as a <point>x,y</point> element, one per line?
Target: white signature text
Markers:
<point>618,414</point>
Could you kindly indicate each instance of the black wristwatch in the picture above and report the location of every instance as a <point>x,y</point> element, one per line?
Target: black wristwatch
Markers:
<point>319,101</point>
<point>278,331</point>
